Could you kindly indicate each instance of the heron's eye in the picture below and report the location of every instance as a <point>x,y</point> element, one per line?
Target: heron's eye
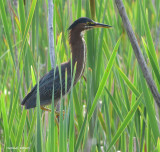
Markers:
<point>89,23</point>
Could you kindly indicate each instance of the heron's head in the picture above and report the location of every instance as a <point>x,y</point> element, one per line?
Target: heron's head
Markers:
<point>85,23</point>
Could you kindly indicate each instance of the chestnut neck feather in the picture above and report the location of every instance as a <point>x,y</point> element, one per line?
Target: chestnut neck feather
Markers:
<point>78,50</point>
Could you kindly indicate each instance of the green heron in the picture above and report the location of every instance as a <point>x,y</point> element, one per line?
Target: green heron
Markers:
<point>78,49</point>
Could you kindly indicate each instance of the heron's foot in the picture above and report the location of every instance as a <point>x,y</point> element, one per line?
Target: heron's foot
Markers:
<point>56,117</point>
<point>58,114</point>
<point>90,69</point>
<point>45,109</point>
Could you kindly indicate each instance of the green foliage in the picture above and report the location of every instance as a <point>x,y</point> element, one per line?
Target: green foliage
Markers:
<point>113,110</point>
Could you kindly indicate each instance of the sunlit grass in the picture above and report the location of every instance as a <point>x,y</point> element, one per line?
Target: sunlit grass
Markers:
<point>114,109</point>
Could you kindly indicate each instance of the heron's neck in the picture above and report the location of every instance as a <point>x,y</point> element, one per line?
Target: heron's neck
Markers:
<point>78,50</point>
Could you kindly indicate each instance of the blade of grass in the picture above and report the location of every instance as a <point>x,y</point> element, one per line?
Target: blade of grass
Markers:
<point>128,82</point>
<point>115,105</point>
<point>29,21</point>
<point>100,51</point>
<point>5,121</point>
<point>131,137</point>
<point>81,134</point>
<point>102,121</point>
<point>104,80</point>
<point>107,117</point>
<point>152,61</point>
<point>22,16</point>
<point>158,145</point>
<point>52,139</point>
<point>148,135</point>
<point>6,29</point>
<point>71,125</point>
<point>20,128</point>
<point>31,129</point>
<point>150,110</point>
<point>12,137</point>
<point>92,7</point>
<point>39,136</point>
<point>33,76</point>
<point>148,35</point>
<point>126,121</point>
<point>78,109</point>
<point>79,8</point>
<point>13,111</point>
<point>61,128</point>
<point>124,93</point>
<point>143,130</point>
<point>65,119</point>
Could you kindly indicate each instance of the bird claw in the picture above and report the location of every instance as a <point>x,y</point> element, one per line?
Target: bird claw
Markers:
<point>57,115</point>
<point>45,109</point>
<point>56,112</point>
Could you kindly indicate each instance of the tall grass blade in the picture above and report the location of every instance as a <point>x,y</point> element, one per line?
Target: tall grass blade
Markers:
<point>81,134</point>
<point>115,105</point>
<point>29,20</point>
<point>148,35</point>
<point>6,29</point>
<point>20,128</point>
<point>150,110</point>
<point>126,121</point>
<point>78,109</point>
<point>128,82</point>
<point>39,136</point>
<point>102,121</point>
<point>104,79</point>
<point>31,129</point>
<point>22,16</point>
<point>14,105</point>
<point>152,61</point>
<point>5,122</point>
<point>71,124</point>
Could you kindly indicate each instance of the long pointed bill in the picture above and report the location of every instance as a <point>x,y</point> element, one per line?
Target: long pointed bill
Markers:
<point>100,25</point>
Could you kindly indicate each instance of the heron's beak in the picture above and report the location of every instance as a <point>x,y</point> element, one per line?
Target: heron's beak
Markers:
<point>100,25</point>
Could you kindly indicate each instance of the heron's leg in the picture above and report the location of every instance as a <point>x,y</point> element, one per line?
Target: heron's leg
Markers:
<point>56,121</point>
<point>85,79</point>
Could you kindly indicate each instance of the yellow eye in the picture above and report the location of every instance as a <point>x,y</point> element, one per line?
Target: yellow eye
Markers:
<point>89,23</point>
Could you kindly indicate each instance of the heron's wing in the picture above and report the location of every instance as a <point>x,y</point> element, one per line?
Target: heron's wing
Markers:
<point>46,88</point>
